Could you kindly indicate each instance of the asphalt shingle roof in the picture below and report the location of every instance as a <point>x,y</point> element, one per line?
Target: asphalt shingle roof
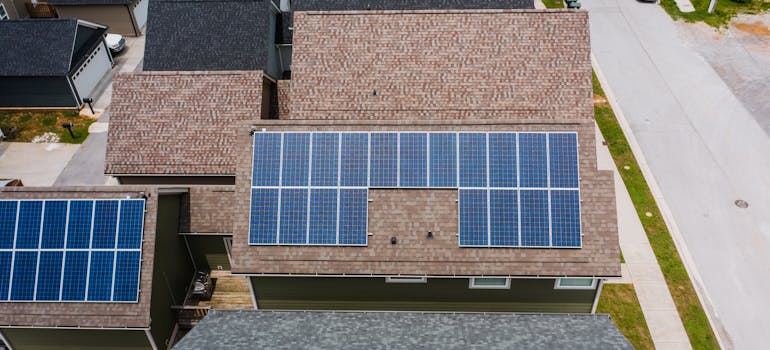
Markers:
<point>351,5</point>
<point>200,35</point>
<point>401,330</point>
<point>37,47</point>
<point>88,2</point>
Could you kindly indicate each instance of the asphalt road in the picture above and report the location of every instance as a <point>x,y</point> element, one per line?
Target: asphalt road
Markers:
<point>705,150</point>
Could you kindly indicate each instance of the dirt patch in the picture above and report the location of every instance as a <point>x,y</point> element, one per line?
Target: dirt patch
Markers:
<point>756,28</point>
<point>600,101</point>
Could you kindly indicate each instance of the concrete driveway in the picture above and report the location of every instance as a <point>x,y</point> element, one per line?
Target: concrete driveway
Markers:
<point>36,164</point>
<point>704,150</point>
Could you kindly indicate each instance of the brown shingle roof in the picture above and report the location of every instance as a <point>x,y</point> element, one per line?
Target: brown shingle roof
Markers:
<point>409,214</point>
<point>483,64</point>
<point>89,314</point>
<point>179,122</point>
<point>207,209</point>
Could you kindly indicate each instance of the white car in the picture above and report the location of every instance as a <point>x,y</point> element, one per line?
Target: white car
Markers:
<point>115,42</point>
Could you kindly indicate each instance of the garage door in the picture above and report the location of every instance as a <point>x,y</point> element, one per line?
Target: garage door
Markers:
<point>91,72</point>
<point>140,12</point>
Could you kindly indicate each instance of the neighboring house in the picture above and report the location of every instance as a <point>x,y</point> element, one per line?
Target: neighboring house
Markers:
<point>181,127</point>
<point>191,35</point>
<point>79,269</point>
<point>126,17</point>
<point>408,207</point>
<point>51,63</point>
<point>403,330</point>
<point>8,10</point>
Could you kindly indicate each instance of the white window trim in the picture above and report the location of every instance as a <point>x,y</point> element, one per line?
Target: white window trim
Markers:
<point>557,284</point>
<point>405,279</point>
<point>472,283</point>
<point>5,15</point>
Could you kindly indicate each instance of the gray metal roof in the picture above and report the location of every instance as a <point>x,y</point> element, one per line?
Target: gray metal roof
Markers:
<point>36,47</point>
<point>401,330</point>
<point>213,35</point>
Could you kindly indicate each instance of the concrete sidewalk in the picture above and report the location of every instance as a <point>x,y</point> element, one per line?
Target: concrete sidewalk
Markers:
<point>641,267</point>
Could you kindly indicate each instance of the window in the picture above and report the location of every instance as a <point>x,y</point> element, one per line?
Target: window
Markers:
<point>406,279</point>
<point>489,283</point>
<point>575,283</point>
<point>3,13</point>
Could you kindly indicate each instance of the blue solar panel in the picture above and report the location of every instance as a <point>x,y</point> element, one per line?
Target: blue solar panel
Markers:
<point>5,274</point>
<point>532,160</point>
<point>384,161</point>
<point>353,217</point>
<point>127,266</point>
<point>7,223</point>
<point>75,272</point>
<point>473,218</point>
<point>354,158</point>
<point>28,231</point>
<point>504,217</point>
<point>267,159</point>
<point>79,227</point>
<point>443,160</point>
<point>502,160</point>
<point>414,160</point>
<point>325,162</point>
<point>565,218</point>
<point>473,160</point>
<point>131,224</point>
<point>100,276</point>
<point>49,275</point>
<point>54,224</point>
<point>105,224</point>
<point>562,148</point>
<point>24,274</point>
<point>264,216</point>
<point>534,218</point>
<point>293,226</point>
<point>296,159</point>
<point>323,216</point>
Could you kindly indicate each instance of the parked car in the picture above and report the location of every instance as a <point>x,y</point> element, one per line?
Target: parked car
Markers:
<point>115,42</point>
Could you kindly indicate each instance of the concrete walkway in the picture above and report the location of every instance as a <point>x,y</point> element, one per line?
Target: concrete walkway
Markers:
<point>36,164</point>
<point>641,267</point>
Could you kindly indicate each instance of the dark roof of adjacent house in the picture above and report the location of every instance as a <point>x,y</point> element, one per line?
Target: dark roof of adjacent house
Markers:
<point>198,35</point>
<point>89,314</point>
<point>402,330</point>
<point>57,46</point>
<point>482,64</point>
<point>179,123</point>
<point>89,2</point>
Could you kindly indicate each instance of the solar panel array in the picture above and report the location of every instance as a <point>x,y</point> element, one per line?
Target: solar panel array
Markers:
<point>515,189</point>
<point>70,250</point>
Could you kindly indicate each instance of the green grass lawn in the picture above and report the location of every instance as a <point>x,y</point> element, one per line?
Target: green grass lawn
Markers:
<point>723,13</point>
<point>621,303</point>
<point>34,123</point>
<point>687,303</point>
<point>553,4</point>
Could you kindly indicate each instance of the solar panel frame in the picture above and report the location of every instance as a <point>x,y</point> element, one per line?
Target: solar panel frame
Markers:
<point>40,253</point>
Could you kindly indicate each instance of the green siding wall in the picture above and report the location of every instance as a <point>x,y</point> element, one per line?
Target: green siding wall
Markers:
<point>209,252</point>
<point>172,273</point>
<point>75,339</point>
<point>439,294</point>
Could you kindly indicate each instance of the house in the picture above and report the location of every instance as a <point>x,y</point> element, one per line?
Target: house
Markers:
<point>71,58</point>
<point>227,35</point>
<point>126,17</point>
<point>379,189</point>
<point>181,127</point>
<point>78,267</point>
<point>403,330</point>
<point>12,9</point>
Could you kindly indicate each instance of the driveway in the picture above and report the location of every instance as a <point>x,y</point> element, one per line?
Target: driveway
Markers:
<point>36,164</point>
<point>704,150</point>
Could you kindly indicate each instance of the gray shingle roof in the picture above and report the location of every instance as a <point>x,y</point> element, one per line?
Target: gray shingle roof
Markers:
<point>401,330</point>
<point>38,47</point>
<point>89,2</point>
<point>198,35</point>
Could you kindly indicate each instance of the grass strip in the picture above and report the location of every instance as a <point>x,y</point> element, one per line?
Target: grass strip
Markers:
<point>621,303</point>
<point>724,11</point>
<point>688,305</point>
<point>553,4</point>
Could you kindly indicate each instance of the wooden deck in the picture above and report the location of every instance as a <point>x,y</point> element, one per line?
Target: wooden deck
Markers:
<point>231,292</point>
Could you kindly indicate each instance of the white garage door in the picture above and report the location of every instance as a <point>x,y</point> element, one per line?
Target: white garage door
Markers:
<point>140,12</point>
<point>92,71</point>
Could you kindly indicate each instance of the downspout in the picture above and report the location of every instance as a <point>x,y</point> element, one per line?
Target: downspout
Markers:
<point>598,294</point>
<point>137,30</point>
<point>149,337</point>
<point>253,296</point>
